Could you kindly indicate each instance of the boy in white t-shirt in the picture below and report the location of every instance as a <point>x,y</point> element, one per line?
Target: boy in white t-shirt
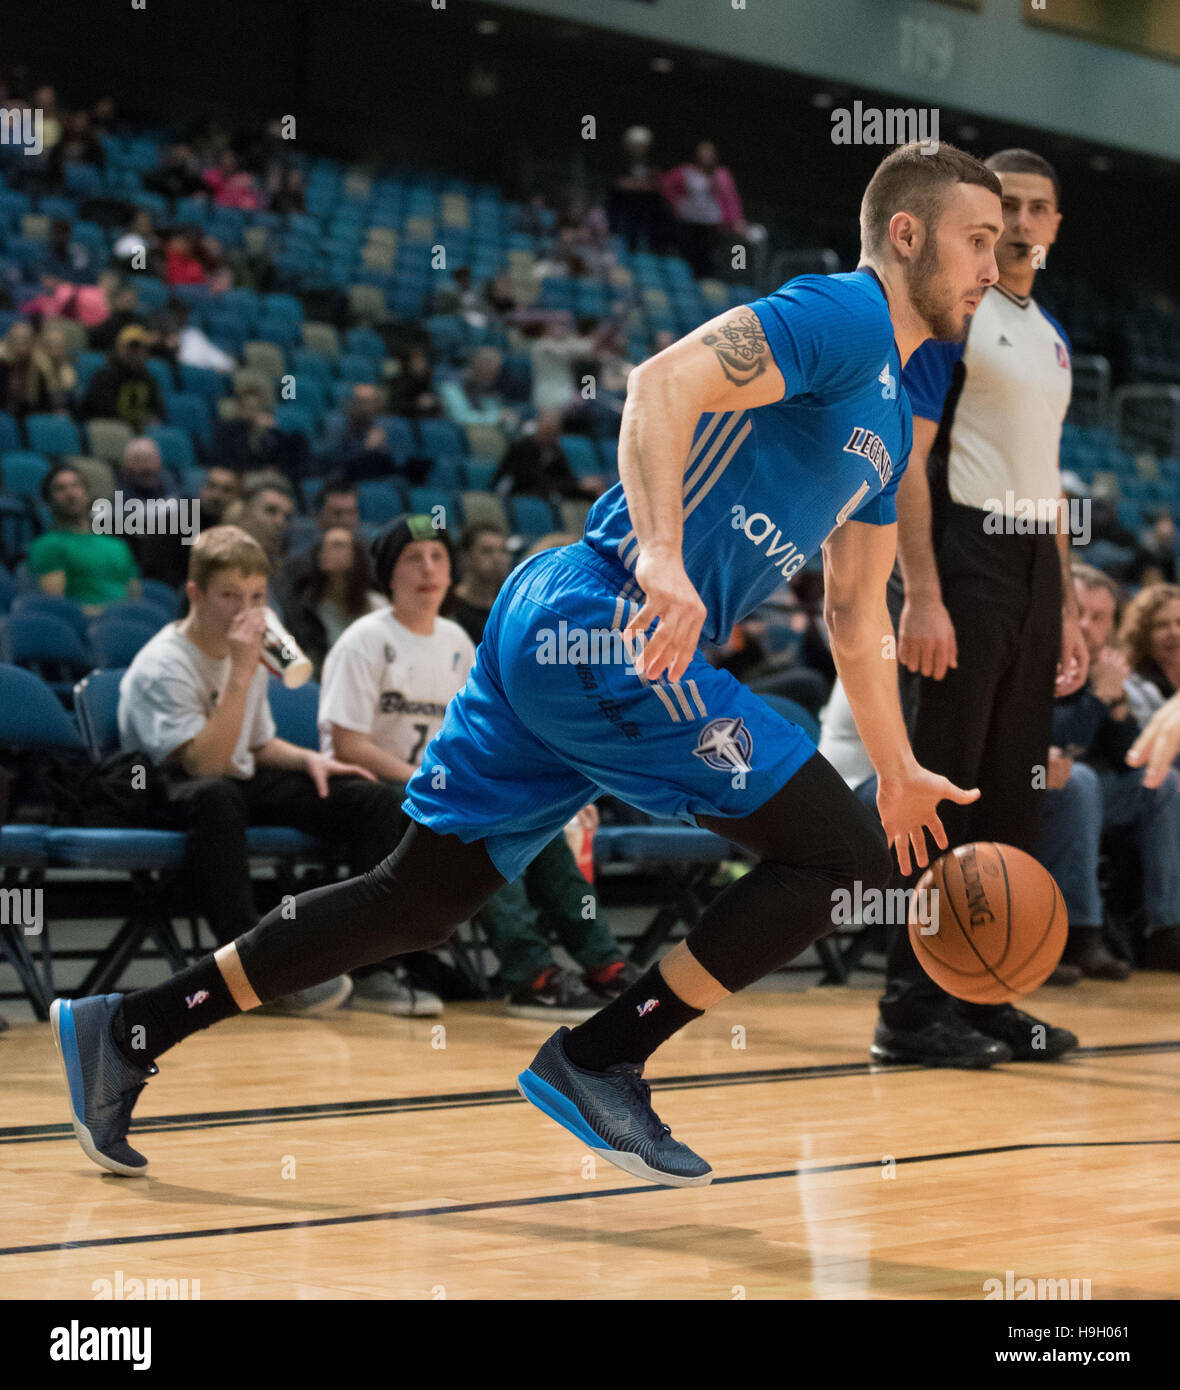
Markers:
<point>386,686</point>
<point>195,700</point>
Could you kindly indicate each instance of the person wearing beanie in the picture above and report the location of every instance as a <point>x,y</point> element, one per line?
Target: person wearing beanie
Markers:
<point>386,686</point>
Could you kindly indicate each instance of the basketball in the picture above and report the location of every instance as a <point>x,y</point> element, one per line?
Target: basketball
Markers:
<point>996,924</point>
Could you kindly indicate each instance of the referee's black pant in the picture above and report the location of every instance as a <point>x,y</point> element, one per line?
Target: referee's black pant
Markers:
<point>988,722</point>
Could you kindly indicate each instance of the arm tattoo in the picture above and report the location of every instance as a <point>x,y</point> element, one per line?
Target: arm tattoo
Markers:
<point>740,345</point>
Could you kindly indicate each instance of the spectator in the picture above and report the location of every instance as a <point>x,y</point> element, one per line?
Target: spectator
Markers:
<point>536,464</point>
<point>265,513</point>
<point>221,488</point>
<point>474,399</point>
<point>553,348</point>
<point>705,200</point>
<point>331,591</point>
<point>78,145</point>
<point>24,380</point>
<point>1090,788</point>
<point>231,186</point>
<point>45,101</point>
<point>483,566</point>
<point>337,506</point>
<point>68,260</point>
<point>124,389</point>
<point>354,442</point>
<point>71,560</point>
<point>182,264</point>
<point>61,378</point>
<point>584,232</point>
<point>143,475</point>
<point>161,554</point>
<point>178,177</point>
<point>336,509</point>
<point>412,392</point>
<point>195,700</point>
<point>268,504</point>
<point>1150,634</point>
<point>636,209</point>
<point>181,342</point>
<point>1155,558</point>
<point>124,313</point>
<point>139,246</point>
<point>251,440</point>
<point>212,255</point>
<point>387,683</point>
<point>62,299</point>
<point>458,296</point>
<point>287,190</point>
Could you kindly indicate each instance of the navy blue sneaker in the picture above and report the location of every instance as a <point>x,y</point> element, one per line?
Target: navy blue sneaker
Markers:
<point>103,1085</point>
<point>611,1112</point>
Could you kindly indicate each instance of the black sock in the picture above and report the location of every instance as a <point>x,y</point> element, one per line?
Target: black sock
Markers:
<point>631,1027</point>
<point>150,1021</point>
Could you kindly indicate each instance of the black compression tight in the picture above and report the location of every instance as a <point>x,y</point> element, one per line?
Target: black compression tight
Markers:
<point>411,901</point>
<point>812,838</point>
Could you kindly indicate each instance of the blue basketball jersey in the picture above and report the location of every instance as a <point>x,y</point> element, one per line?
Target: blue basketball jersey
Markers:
<point>764,487</point>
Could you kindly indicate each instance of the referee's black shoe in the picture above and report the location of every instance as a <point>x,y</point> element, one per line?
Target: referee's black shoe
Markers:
<point>945,1041</point>
<point>1027,1038</point>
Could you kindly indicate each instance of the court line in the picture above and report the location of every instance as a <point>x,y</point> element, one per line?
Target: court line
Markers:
<point>508,1203</point>
<point>468,1100</point>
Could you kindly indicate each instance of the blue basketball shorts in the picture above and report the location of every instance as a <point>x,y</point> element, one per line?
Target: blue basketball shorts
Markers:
<point>554,714</point>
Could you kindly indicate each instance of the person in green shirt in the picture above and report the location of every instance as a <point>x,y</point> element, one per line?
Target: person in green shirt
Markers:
<point>71,559</point>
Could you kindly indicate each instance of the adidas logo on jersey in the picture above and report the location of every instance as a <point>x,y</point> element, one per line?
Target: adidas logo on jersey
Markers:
<point>1003,342</point>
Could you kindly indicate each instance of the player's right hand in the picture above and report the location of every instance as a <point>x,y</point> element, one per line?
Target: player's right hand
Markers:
<point>908,807</point>
<point>245,639</point>
<point>926,638</point>
<point>675,606</point>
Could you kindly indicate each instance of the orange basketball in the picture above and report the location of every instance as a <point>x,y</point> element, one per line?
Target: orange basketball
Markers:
<point>988,923</point>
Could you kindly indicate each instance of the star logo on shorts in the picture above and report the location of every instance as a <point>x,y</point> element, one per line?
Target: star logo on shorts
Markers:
<point>726,746</point>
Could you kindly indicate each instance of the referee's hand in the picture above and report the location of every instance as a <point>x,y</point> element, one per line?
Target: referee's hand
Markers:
<point>675,606</point>
<point>926,638</point>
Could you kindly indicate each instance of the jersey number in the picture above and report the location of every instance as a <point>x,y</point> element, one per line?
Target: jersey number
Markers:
<point>417,749</point>
<point>851,505</point>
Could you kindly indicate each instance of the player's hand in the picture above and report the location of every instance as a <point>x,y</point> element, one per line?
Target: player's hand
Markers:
<point>672,600</point>
<point>245,639</point>
<point>1158,744</point>
<point>320,767</point>
<point>1074,665</point>
<point>926,638</point>
<point>908,807</point>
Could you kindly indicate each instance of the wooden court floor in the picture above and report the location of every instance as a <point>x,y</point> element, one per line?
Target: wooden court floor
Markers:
<point>365,1157</point>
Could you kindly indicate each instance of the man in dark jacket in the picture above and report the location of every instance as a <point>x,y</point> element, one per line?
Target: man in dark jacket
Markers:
<point>1090,788</point>
<point>536,465</point>
<point>124,389</point>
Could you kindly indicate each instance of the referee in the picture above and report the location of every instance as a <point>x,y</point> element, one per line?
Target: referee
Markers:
<point>986,613</point>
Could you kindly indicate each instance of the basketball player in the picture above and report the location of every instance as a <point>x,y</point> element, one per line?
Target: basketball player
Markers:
<point>989,631</point>
<point>744,445</point>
